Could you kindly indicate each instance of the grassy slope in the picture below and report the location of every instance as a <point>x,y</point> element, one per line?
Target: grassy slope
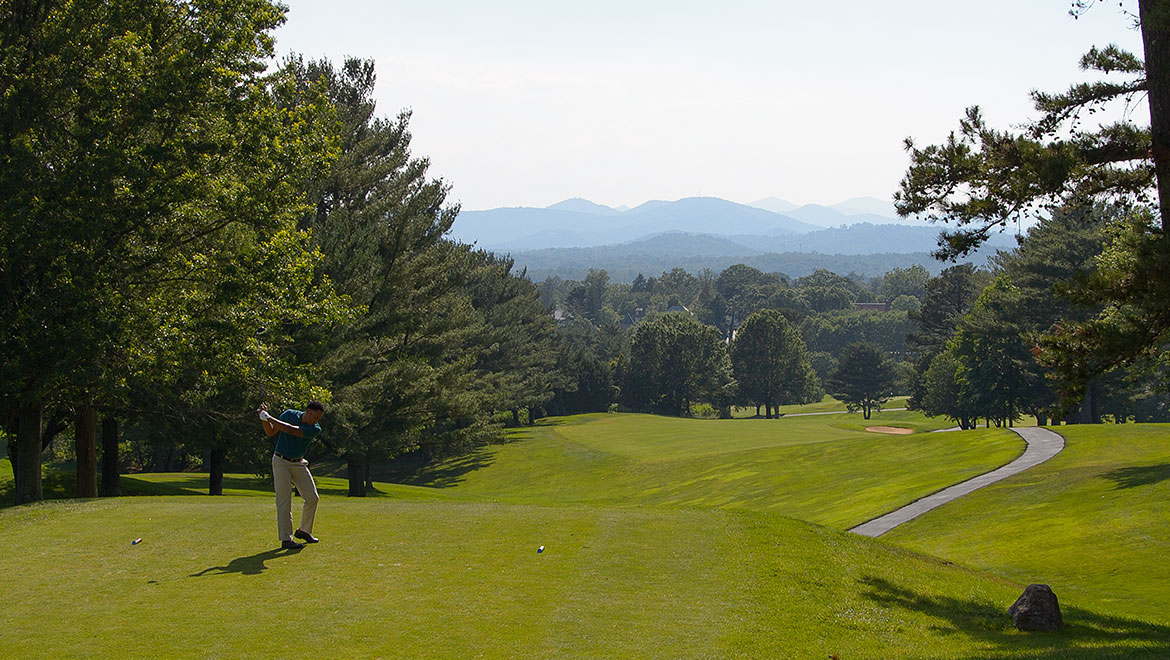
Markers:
<point>822,469</point>
<point>397,575</point>
<point>1092,522</point>
<point>409,578</point>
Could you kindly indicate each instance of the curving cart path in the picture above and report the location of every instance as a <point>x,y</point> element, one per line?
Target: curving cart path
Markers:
<point>1042,445</point>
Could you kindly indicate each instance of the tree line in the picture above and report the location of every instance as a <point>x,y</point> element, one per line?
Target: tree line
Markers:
<point>737,338</point>
<point>187,233</point>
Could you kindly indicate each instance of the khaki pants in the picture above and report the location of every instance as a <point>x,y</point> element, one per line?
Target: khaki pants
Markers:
<point>284,475</point>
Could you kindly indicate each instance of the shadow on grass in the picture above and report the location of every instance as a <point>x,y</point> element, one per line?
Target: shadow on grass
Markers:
<point>57,483</point>
<point>250,565</point>
<point>450,472</point>
<point>189,483</point>
<point>1144,475</point>
<point>1086,634</point>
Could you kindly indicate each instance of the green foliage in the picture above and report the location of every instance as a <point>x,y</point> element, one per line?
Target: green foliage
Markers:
<point>771,363</point>
<point>948,297</point>
<point>824,291</point>
<point>833,331</point>
<point>516,353</point>
<point>903,282</point>
<point>400,375</point>
<point>675,360</point>
<point>864,378</point>
<point>588,358</point>
<point>145,153</point>
<point>943,393</point>
<point>985,178</point>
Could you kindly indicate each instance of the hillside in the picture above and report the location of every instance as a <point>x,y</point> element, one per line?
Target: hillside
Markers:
<point>1087,522</point>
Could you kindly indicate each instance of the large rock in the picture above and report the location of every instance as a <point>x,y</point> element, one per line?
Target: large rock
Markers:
<point>1037,609</point>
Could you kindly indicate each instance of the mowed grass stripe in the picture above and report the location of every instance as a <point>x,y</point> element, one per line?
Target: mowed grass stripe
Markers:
<point>1092,522</point>
<point>806,468</point>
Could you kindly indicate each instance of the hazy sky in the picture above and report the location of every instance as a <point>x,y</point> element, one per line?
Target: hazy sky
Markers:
<point>527,103</point>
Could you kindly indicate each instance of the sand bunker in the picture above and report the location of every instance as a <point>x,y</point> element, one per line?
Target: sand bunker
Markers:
<point>894,430</point>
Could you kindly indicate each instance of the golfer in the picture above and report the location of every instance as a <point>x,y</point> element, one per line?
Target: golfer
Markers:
<point>294,430</point>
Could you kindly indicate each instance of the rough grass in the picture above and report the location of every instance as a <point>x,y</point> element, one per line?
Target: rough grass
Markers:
<point>1091,522</point>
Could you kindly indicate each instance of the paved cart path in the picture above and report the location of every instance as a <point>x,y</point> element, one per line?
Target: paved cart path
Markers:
<point>1042,445</point>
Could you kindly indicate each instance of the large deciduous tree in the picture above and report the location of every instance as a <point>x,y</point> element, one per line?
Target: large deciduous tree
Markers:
<point>771,363</point>
<point>135,133</point>
<point>675,361</point>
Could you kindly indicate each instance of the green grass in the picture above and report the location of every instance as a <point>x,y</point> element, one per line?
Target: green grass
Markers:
<point>665,538</point>
<point>1091,522</point>
<point>822,469</point>
<point>408,578</point>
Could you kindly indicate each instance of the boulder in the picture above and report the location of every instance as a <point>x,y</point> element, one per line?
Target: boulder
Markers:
<point>1037,610</point>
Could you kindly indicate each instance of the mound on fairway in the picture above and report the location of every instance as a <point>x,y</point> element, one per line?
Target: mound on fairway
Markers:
<point>824,469</point>
<point>404,578</point>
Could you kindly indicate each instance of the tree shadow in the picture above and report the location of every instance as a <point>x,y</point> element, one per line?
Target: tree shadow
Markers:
<point>190,483</point>
<point>450,472</point>
<point>250,565</point>
<point>1087,634</point>
<point>1144,475</point>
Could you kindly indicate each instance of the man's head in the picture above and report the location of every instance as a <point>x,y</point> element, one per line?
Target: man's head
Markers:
<point>313,412</point>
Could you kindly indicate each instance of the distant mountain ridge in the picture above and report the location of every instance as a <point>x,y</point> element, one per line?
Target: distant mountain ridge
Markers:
<point>579,222</point>
<point>865,249</point>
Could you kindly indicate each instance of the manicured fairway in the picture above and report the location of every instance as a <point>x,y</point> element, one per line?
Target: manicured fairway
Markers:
<point>1093,522</point>
<point>824,469</point>
<point>410,579</point>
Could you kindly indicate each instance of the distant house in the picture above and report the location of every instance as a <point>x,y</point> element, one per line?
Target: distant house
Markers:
<point>633,318</point>
<point>561,316</point>
<point>872,307</point>
<point>678,308</point>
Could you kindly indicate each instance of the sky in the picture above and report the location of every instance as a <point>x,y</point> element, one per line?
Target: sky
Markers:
<point>531,102</point>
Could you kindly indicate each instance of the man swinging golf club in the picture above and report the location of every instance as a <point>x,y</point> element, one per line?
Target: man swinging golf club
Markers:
<point>294,430</point>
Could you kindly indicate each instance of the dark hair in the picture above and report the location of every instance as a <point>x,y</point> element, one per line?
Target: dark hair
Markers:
<point>315,405</point>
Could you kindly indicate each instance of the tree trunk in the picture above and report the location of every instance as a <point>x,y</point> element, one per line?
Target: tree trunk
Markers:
<point>368,469</point>
<point>515,417</point>
<point>85,436</point>
<point>1155,22</point>
<point>215,471</point>
<point>1041,419</point>
<point>110,462</point>
<point>355,468</point>
<point>27,463</point>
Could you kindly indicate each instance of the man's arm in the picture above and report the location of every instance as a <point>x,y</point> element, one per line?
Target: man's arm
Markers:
<point>274,425</point>
<point>267,420</point>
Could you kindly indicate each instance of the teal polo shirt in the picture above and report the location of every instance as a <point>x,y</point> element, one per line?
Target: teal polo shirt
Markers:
<point>290,445</point>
